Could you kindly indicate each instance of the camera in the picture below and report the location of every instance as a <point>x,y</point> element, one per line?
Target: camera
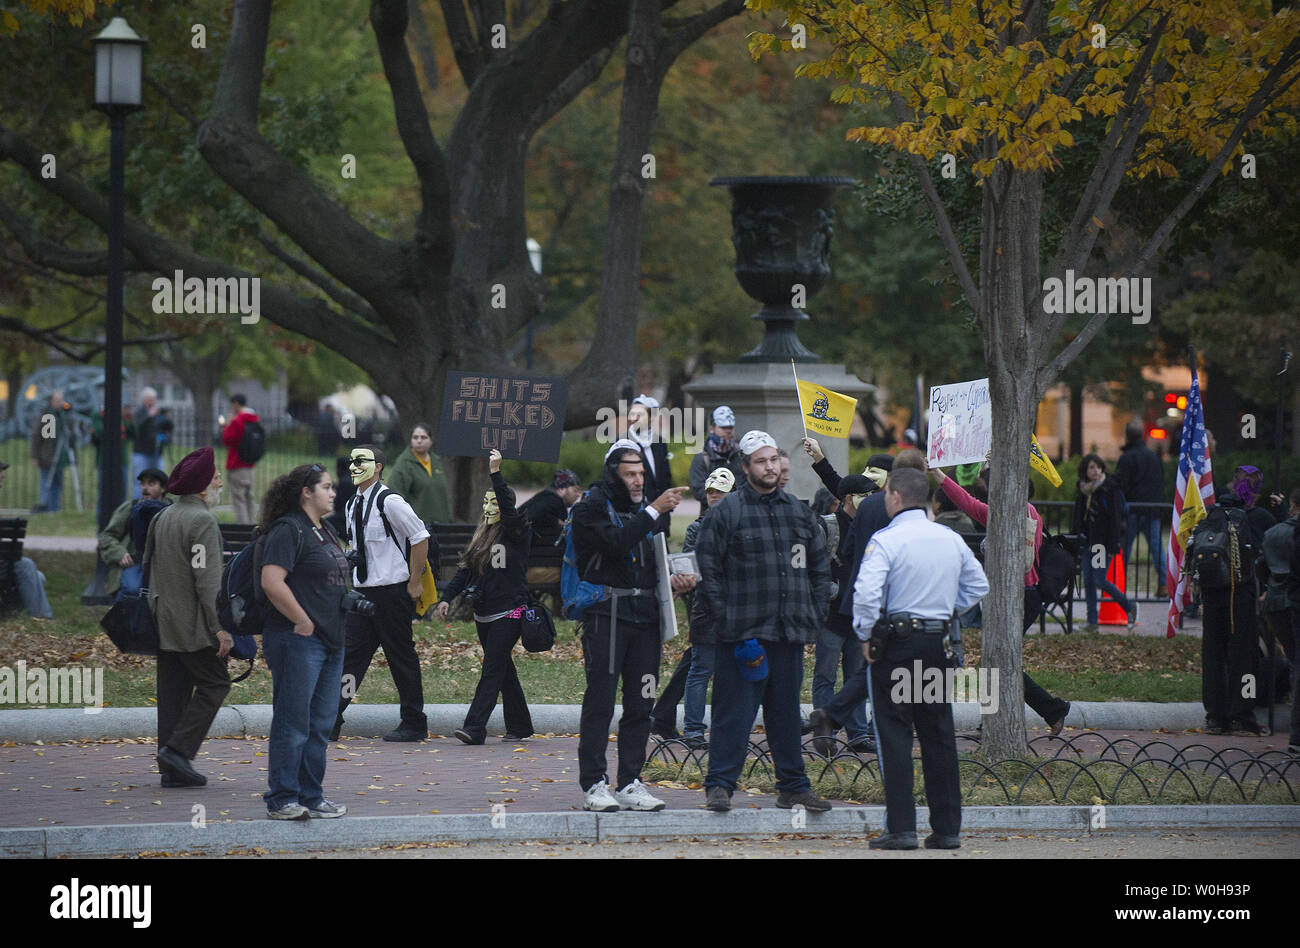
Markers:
<point>355,558</point>
<point>353,601</point>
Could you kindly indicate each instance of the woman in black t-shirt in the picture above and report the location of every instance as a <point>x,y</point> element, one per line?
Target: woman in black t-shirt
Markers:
<point>500,587</point>
<point>304,575</point>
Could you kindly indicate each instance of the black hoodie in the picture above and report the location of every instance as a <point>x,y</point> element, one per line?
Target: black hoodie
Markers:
<point>612,555</point>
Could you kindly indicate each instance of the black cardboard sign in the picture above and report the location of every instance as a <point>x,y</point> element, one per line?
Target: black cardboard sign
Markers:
<point>520,416</point>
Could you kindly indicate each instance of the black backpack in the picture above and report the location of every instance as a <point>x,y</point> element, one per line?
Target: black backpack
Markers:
<point>1056,564</point>
<point>241,605</point>
<point>252,443</point>
<point>1222,548</point>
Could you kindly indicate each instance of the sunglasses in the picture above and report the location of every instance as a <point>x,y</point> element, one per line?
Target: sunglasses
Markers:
<point>357,462</point>
<point>314,469</point>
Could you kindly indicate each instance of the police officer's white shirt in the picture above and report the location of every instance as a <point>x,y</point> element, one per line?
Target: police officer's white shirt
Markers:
<point>386,561</point>
<point>918,567</point>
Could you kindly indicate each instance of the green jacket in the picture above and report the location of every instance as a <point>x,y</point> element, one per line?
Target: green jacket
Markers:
<point>115,543</point>
<point>53,452</point>
<point>184,553</point>
<point>427,494</point>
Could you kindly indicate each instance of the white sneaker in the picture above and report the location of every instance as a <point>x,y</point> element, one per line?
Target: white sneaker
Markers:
<point>636,797</point>
<point>600,799</point>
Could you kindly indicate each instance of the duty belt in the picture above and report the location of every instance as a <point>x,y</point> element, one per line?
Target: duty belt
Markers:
<point>615,594</point>
<point>902,624</point>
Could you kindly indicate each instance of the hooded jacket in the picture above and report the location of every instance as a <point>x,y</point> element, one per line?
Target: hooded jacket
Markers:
<point>621,554</point>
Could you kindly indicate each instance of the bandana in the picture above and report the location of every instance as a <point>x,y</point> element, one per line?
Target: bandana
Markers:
<point>717,448</point>
<point>1246,483</point>
<point>361,467</point>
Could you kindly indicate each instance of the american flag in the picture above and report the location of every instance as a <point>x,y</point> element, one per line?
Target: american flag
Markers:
<point>1193,466</point>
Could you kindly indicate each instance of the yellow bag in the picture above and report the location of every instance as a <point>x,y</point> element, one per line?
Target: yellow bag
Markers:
<point>428,592</point>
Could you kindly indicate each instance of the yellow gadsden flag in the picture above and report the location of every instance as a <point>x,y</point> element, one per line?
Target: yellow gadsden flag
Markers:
<point>1193,512</point>
<point>428,592</point>
<point>827,413</point>
<point>1042,464</point>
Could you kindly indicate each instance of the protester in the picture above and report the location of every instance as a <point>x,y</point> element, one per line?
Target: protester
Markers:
<point>643,428</point>
<point>183,562</point>
<point>766,585</point>
<point>719,451</point>
<point>783,478</point>
<point>695,668</point>
<point>1281,601</point>
<point>948,514</point>
<point>418,476</point>
<point>305,579</point>
<point>120,548</point>
<point>51,451</point>
<point>390,547</point>
<point>152,429</point>
<point>915,576</point>
<point>29,580</point>
<point>1229,639</point>
<point>1099,507</point>
<point>238,468</point>
<point>1050,709</point>
<point>1141,477</point>
<point>620,634</point>
<point>837,646</point>
<point>547,510</point>
<point>499,590</point>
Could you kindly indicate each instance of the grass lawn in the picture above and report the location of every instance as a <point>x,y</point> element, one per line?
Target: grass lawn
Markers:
<point>1077,667</point>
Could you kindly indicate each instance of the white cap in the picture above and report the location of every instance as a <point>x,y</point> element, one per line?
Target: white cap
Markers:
<point>722,479</point>
<point>751,441</point>
<point>724,417</point>
<point>623,444</point>
<point>649,401</point>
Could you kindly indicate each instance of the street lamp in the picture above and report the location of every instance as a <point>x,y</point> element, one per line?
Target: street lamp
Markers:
<point>119,69</point>
<point>535,258</point>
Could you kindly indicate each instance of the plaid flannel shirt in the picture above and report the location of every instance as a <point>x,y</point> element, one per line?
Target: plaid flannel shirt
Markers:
<point>765,567</point>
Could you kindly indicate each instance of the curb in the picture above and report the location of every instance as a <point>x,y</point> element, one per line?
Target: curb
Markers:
<point>26,726</point>
<point>501,826</point>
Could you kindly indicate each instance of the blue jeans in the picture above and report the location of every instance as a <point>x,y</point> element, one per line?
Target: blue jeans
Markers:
<point>132,580</point>
<point>305,699</point>
<point>139,462</point>
<point>735,704</point>
<point>51,496</point>
<point>833,650</point>
<point>1148,527</point>
<point>31,589</point>
<point>1094,577</point>
<point>697,686</point>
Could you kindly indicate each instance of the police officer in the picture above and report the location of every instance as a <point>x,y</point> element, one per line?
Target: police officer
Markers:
<point>917,575</point>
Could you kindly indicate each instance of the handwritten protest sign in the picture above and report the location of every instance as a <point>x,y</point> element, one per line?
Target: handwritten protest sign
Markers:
<point>520,416</point>
<point>961,423</point>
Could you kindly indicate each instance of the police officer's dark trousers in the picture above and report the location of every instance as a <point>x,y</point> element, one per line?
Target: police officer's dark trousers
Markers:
<point>389,628</point>
<point>637,653</point>
<point>898,705</point>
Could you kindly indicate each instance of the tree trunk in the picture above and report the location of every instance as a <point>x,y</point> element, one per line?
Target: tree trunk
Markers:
<point>1076,420</point>
<point>1012,300</point>
<point>1222,409</point>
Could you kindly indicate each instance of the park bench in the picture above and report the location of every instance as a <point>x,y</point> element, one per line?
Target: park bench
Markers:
<point>235,537</point>
<point>12,533</point>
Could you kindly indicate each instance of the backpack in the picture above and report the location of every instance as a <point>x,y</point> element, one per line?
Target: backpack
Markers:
<point>241,605</point>
<point>1222,553</point>
<point>576,594</point>
<point>1056,565</point>
<point>142,513</point>
<point>252,443</point>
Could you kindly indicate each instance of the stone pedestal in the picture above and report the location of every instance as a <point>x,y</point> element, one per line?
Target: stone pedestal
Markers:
<point>763,396</point>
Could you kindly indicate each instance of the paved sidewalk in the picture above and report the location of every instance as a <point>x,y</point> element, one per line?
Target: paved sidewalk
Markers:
<point>116,782</point>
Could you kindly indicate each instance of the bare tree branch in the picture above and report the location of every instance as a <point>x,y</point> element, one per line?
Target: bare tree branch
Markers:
<point>686,31</point>
<point>47,253</point>
<point>464,47</point>
<point>421,37</point>
<point>240,84</point>
<point>338,294</point>
<point>568,90</point>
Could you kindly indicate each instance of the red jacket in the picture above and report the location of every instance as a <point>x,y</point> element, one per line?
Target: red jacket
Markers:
<point>231,435</point>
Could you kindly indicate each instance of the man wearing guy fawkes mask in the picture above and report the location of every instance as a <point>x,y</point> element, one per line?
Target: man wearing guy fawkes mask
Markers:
<point>612,527</point>
<point>389,546</point>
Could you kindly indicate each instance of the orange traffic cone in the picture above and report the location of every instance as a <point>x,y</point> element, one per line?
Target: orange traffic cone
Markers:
<point>1109,612</point>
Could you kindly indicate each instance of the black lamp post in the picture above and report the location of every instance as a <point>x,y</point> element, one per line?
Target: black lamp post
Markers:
<point>119,61</point>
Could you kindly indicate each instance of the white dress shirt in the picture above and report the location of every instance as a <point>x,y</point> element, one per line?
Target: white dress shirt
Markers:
<point>917,567</point>
<point>386,561</point>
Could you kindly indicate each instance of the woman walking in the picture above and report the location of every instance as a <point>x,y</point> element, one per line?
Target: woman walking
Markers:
<point>499,590</point>
<point>1099,517</point>
<point>305,577</point>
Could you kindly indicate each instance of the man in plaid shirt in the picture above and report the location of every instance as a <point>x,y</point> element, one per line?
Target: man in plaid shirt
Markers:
<point>766,587</point>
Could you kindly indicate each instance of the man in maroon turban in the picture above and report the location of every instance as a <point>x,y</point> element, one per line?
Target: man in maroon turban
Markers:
<point>183,574</point>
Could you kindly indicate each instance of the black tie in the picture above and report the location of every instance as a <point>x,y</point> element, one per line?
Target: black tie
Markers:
<point>359,528</point>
